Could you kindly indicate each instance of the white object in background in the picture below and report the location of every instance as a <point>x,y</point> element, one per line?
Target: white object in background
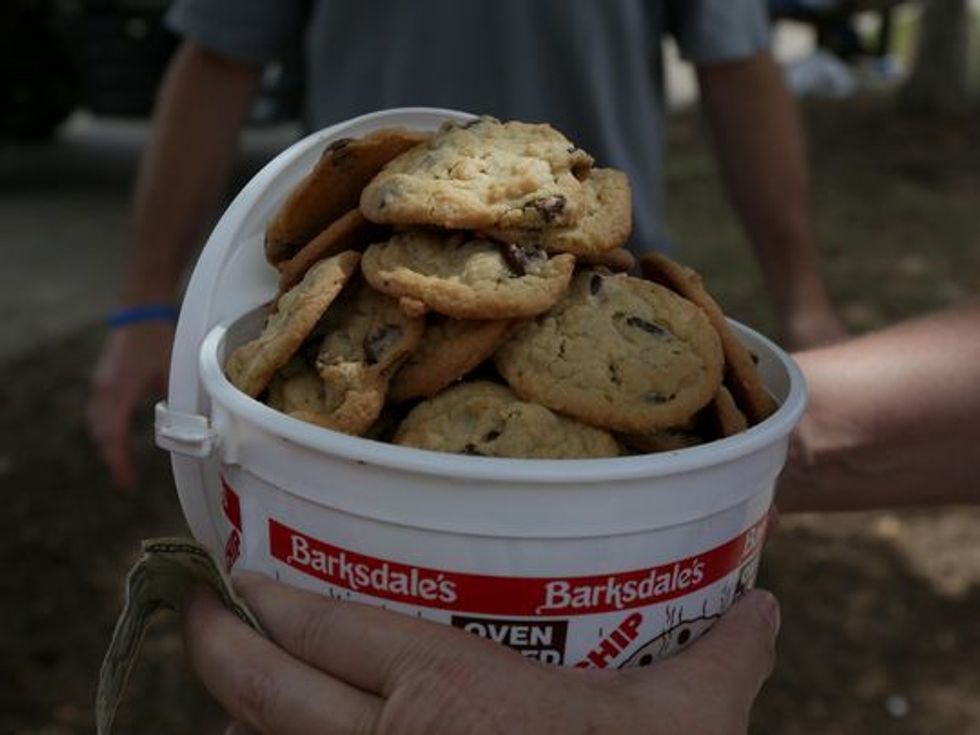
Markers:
<point>821,74</point>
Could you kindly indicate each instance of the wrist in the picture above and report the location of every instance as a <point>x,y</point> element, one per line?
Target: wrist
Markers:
<point>158,313</point>
<point>810,480</point>
<point>828,430</point>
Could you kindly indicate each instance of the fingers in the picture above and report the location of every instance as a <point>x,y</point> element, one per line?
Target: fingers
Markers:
<point>364,646</point>
<point>134,364</point>
<point>109,413</point>
<point>262,686</point>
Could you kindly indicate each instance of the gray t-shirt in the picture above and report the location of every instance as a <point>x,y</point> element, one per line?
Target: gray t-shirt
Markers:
<point>591,68</point>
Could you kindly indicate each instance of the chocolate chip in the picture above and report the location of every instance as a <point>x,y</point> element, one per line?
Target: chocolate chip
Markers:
<point>379,341</point>
<point>472,450</point>
<point>491,435</point>
<point>650,327</point>
<point>595,284</point>
<point>549,207</point>
<point>582,168</point>
<point>614,377</point>
<point>520,257</point>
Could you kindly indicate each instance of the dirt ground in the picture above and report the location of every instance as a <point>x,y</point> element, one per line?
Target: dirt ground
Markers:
<point>881,611</point>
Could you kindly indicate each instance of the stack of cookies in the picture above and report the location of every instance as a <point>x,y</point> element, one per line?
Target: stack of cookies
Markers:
<point>467,291</point>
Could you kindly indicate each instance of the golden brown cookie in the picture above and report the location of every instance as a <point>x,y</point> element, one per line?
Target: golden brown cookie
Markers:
<point>724,415</point>
<point>486,419</point>
<point>367,337</point>
<point>620,259</point>
<point>720,418</point>
<point>605,224</point>
<point>741,375</point>
<point>332,188</point>
<point>350,232</point>
<point>484,174</point>
<point>467,277</point>
<point>450,348</point>
<point>617,352</point>
<point>297,388</point>
<point>251,366</point>
<point>299,391</point>
<point>664,440</point>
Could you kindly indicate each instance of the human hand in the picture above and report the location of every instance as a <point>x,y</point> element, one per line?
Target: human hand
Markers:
<point>133,366</point>
<point>340,667</point>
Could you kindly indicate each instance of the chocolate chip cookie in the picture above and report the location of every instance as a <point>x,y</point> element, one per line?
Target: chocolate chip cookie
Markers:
<point>366,337</point>
<point>741,375</point>
<point>724,416</point>
<point>619,259</point>
<point>617,352</point>
<point>467,277</point>
<point>486,419</point>
<point>449,349</point>
<point>349,232</point>
<point>332,188</point>
<point>251,366</point>
<point>605,224</point>
<point>665,440</point>
<point>481,175</point>
<point>720,418</point>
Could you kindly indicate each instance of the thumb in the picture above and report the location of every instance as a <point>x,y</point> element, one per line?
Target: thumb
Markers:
<point>738,652</point>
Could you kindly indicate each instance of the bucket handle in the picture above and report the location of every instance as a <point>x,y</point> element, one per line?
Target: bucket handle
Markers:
<point>185,433</point>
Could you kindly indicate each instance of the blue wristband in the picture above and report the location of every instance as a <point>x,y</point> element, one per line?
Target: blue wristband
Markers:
<point>140,314</point>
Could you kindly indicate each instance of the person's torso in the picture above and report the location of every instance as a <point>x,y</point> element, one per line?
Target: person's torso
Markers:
<point>591,68</point>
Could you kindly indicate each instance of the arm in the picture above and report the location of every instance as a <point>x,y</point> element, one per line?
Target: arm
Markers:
<point>182,175</point>
<point>893,419</point>
<point>201,107</point>
<point>760,147</point>
<point>336,666</point>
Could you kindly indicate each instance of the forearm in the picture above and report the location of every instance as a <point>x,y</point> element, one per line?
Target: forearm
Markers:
<point>760,147</point>
<point>894,419</point>
<point>200,109</point>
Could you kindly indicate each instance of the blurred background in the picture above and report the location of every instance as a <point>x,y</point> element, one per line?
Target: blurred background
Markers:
<point>881,610</point>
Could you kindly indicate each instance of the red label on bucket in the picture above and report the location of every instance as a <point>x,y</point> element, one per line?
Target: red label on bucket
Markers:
<point>495,595</point>
<point>232,507</point>
<point>231,504</point>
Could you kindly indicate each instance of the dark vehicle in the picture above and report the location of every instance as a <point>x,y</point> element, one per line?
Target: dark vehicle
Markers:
<point>103,56</point>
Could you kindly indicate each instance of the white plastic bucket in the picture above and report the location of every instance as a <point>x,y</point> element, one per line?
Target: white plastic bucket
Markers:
<point>592,563</point>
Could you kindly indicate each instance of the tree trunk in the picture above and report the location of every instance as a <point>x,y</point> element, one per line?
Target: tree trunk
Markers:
<point>938,82</point>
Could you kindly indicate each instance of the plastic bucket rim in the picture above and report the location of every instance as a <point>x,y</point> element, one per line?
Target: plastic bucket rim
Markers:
<point>545,471</point>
